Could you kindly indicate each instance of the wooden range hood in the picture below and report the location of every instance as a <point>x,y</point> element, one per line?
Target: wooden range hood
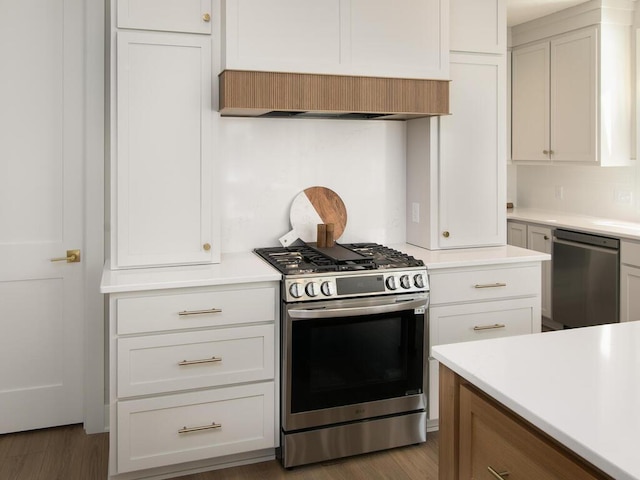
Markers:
<point>301,95</point>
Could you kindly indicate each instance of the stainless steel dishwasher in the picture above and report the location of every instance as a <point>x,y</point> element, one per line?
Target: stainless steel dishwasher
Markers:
<point>585,283</point>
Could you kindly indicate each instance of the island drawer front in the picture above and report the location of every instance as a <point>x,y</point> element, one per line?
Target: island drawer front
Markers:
<point>466,322</point>
<point>630,253</point>
<point>195,309</point>
<point>177,361</point>
<point>484,284</point>
<point>491,437</point>
<point>154,432</point>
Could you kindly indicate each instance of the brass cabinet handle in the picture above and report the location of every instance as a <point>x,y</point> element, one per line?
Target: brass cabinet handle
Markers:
<point>490,285</point>
<point>546,237</point>
<point>545,152</point>
<point>73,256</point>
<point>207,247</point>
<point>197,362</point>
<point>445,234</point>
<point>199,429</point>
<point>206,17</point>
<point>500,475</point>
<point>184,313</point>
<point>489,327</point>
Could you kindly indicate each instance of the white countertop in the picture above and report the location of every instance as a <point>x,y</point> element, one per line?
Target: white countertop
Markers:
<point>467,257</point>
<point>601,226</point>
<point>580,386</point>
<point>249,267</point>
<point>233,268</point>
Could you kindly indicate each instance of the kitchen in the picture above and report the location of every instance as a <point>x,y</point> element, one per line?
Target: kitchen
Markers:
<point>254,211</point>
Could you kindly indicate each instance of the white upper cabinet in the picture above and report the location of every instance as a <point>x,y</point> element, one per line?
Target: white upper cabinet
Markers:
<point>403,38</point>
<point>189,16</point>
<point>571,87</point>
<point>456,164</point>
<point>162,175</point>
<point>554,99</point>
<point>478,26</point>
<point>472,170</point>
<point>530,102</point>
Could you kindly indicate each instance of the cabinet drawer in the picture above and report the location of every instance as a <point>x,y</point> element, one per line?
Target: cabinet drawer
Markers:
<point>484,284</point>
<point>489,437</point>
<point>162,363</point>
<point>630,253</point>
<point>463,323</point>
<point>153,432</point>
<point>152,313</point>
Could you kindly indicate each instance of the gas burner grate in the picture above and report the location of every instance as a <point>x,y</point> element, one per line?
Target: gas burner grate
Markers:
<point>305,258</point>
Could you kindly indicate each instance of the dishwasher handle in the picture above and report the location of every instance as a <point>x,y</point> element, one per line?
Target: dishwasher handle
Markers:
<point>585,246</point>
<point>581,239</point>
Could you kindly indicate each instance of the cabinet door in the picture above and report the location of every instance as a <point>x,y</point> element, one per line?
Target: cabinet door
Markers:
<point>171,15</point>
<point>574,97</point>
<point>282,35</point>
<point>629,298</point>
<point>493,439</point>
<point>162,173</point>
<point>540,240</point>
<point>517,234</point>
<point>472,163</point>
<point>478,26</point>
<point>403,38</point>
<point>530,99</point>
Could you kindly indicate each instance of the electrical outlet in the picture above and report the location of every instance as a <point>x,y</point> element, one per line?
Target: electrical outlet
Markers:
<point>559,192</point>
<point>415,212</point>
<point>623,197</point>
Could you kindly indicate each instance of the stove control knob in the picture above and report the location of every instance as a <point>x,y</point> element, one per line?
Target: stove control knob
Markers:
<point>312,289</point>
<point>296,290</point>
<point>391,283</point>
<point>328,289</point>
<point>418,280</point>
<point>405,282</point>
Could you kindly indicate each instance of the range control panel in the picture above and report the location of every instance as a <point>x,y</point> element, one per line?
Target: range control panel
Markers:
<point>322,287</point>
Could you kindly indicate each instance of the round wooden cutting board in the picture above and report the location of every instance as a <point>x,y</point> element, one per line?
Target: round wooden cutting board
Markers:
<point>310,207</point>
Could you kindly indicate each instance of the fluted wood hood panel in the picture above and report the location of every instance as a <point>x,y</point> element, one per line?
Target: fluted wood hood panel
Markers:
<point>251,93</point>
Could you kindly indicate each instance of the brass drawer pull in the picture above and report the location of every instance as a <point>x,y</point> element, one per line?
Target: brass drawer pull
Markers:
<point>184,313</point>
<point>213,426</point>
<point>197,362</point>
<point>500,475</point>
<point>489,327</point>
<point>490,285</point>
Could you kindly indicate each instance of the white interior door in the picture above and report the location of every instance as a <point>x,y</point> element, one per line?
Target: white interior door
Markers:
<point>41,210</point>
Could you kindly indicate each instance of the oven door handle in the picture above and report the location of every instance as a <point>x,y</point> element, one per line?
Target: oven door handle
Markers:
<point>399,306</point>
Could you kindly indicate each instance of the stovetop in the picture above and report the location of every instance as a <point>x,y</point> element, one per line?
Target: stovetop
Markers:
<point>349,257</point>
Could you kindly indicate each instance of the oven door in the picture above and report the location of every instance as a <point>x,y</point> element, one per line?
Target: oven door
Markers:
<point>354,359</point>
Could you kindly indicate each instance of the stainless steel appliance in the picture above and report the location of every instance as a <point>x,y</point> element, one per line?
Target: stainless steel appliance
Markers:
<point>585,281</point>
<point>353,343</point>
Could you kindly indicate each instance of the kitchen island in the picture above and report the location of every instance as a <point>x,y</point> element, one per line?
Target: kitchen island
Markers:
<point>575,391</point>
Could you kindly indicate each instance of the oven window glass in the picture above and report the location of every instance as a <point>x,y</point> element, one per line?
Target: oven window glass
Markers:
<point>350,360</point>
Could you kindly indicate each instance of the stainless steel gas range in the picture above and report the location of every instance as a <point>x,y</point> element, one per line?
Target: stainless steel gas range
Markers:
<point>353,350</point>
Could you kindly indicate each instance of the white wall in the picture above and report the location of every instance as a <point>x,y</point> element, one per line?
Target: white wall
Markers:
<point>264,163</point>
<point>612,192</point>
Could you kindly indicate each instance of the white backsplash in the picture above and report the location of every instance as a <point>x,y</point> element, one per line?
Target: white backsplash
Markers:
<point>263,163</point>
<point>611,192</point>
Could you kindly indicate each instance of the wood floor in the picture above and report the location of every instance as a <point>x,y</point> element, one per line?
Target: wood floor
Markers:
<point>67,453</point>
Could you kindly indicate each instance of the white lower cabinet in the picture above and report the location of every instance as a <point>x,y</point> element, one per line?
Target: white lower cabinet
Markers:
<point>173,429</point>
<point>540,239</point>
<point>476,303</point>
<point>192,378</point>
<point>629,281</point>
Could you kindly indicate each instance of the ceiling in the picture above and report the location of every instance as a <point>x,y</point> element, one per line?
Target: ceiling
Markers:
<point>519,11</point>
